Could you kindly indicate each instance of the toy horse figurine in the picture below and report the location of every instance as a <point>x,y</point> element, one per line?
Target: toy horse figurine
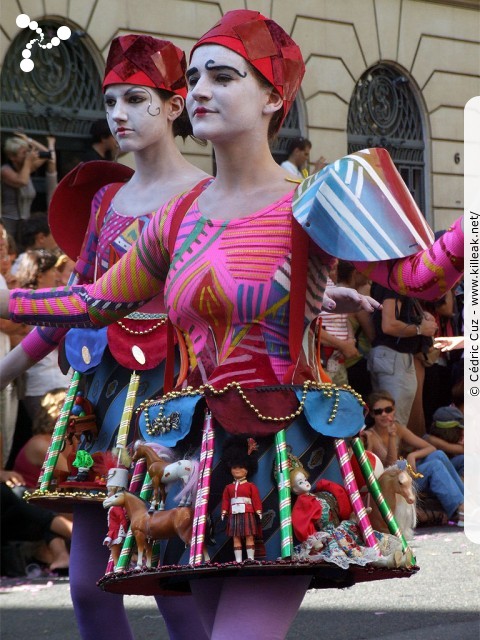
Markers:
<point>163,470</point>
<point>147,527</point>
<point>398,490</point>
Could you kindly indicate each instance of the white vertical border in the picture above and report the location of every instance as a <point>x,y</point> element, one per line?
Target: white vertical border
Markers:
<point>472,318</point>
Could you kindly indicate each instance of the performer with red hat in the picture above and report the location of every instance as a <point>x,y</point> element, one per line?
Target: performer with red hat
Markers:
<point>95,223</point>
<point>245,284</point>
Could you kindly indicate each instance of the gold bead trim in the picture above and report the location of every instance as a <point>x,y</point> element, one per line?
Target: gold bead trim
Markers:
<point>329,391</point>
<point>146,331</point>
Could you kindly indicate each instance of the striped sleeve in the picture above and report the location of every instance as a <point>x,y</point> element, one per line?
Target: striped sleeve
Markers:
<point>130,283</point>
<point>428,274</point>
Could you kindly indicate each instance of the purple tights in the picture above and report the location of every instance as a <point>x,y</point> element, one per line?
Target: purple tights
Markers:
<point>96,609</point>
<point>249,608</point>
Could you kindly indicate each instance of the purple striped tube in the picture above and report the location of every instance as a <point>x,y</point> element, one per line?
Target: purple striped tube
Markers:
<point>354,495</point>
<point>203,492</point>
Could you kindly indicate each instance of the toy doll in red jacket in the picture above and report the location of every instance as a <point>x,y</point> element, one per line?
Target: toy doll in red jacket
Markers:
<point>241,501</point>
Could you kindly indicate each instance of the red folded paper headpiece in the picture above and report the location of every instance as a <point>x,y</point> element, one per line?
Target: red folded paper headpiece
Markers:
<point>265,45</point>
<point>146,61</point>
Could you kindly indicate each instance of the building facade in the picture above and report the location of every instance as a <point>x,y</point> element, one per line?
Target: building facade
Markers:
<point>392,73</point>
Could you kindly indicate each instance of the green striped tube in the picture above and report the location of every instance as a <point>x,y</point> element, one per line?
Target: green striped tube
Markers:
<point>59,433</point>
<point>284,495</point>
<point>374,488</point>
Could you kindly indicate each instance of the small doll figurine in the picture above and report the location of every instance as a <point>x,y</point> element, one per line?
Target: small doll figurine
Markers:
<point>117,480</point>
<point>312,512</point>
<point>241,500</point>
<point>320,520</point>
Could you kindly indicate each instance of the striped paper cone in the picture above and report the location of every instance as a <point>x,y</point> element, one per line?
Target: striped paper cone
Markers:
<point>377,495</point>
<point>203,492</point>
<point>59,433</point>
<point>284,495</point>
<point>354,495</point>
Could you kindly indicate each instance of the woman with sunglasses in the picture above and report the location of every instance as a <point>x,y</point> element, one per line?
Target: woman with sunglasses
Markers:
<point>227,275</point>
<point>389,440</point>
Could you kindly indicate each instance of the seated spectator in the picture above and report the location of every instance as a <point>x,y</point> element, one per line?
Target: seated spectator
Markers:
<point>389,440</point>
<point>446,433</point>
<point>31,456</point>
<point>26,522</point>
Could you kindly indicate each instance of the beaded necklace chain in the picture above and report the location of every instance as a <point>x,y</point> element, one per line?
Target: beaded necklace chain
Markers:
<point>163,424</point>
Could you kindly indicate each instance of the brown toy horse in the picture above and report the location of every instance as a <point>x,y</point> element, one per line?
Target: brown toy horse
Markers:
<point>164,470</point>
<point>147,526</point>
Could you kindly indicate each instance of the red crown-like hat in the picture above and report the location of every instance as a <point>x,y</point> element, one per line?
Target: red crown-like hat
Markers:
<point>146,61</point>
<point>265,45</point>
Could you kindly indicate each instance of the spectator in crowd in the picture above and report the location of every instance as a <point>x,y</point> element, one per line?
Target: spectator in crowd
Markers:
<point>9,332</point>
<point>35,235</point>
<point>362,329</point>
<point>38,269</point>
<point>23,157</point>
<point>22,521</point>
<point>103,145</point>
<point>389,439</point>
<point>401,331</point>
<point>446,434</point>
<point>336,338</point>
<point>298,160</point>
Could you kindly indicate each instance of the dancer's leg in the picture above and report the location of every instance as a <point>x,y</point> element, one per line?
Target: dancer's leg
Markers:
<point>206,594</point>
<point>251,608</point>
<point>95,610</point>
<point>181,617</point>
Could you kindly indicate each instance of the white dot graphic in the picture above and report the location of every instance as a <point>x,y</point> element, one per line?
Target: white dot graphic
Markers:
<point>26,65</point>
<point>22,21</point>
<point>29,46</point>
<point>64,33</point>
<point>55,41</point>
<point>33,25</point>
<point>26,53</point>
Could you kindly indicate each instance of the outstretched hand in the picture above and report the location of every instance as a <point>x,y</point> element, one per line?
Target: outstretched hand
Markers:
<point>347,300</point>
<point>445,343</point>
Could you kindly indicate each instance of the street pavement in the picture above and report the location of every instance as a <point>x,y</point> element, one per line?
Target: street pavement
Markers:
<point>440,602</point>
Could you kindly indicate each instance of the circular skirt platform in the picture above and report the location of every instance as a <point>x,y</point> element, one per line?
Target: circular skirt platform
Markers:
<point>64,500</point>
<point>169,580</point>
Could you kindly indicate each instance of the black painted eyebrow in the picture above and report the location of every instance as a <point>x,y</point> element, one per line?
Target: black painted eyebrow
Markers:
<point>209,66</point>
<point>191,72</point>
<point>127,92</point>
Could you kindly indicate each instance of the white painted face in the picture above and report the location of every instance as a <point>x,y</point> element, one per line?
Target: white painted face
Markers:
<point>224,99</point>
<point>136,116</point>
<point>300,484</point>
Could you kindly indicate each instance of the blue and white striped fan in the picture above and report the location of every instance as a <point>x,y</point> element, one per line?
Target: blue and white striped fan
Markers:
<point>359,208</point>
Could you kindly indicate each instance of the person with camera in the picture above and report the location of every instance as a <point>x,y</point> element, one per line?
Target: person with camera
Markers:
<point>24,156</point>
